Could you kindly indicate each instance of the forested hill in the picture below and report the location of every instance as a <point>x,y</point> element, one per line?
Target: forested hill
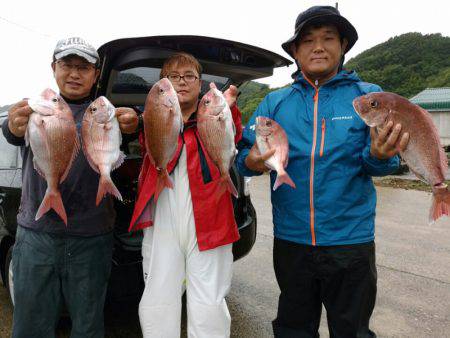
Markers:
<point>406,64</point>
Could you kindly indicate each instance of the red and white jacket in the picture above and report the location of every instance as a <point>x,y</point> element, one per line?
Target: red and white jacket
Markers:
<point>214,217</point>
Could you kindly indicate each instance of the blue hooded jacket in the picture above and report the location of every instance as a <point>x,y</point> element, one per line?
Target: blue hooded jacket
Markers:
<point>329,162</point>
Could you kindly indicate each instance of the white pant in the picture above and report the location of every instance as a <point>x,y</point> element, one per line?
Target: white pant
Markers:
<point>170,258</point>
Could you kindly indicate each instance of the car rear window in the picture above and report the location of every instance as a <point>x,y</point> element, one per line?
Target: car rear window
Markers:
<point>131,86</point>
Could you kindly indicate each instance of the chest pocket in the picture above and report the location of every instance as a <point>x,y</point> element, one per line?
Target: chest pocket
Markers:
<point>340,131</point>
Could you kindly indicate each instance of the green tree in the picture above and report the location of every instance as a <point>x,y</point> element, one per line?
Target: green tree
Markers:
<point>406,64</point>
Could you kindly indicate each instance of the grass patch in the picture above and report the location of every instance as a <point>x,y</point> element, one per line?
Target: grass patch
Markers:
<point>401,183</point>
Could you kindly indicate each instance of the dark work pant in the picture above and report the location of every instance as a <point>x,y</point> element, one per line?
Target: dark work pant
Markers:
<point>50,270</point>
<point>343,278</point>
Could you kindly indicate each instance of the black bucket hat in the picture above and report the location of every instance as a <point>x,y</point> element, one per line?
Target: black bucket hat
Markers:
<point>323,14</point>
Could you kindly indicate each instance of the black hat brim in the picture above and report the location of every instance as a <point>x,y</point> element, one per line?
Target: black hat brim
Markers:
<point>345,28</point>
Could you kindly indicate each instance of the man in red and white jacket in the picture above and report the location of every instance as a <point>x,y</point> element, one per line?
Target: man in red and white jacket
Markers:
<point>190,236</point>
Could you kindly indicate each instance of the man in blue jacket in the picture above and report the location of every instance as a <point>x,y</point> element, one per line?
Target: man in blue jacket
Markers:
<point>324,249</point>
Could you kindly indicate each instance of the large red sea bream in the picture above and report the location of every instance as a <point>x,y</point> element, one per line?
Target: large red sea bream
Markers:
<point>52,135</point>
<point>424,154</point>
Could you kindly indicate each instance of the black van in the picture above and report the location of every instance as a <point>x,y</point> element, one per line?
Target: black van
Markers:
<point>129,68</point>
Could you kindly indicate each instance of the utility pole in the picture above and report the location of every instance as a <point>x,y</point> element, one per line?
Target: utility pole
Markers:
<point>336,5</point>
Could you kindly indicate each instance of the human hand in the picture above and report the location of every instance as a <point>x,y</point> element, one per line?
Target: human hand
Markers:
<point>384,142</point>
<point>128,120</point>
<point>231,95</point>
<point>18,117</point>
<point>255,160</point>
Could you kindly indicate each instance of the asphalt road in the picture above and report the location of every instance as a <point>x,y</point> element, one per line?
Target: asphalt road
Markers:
<point>413,261</point>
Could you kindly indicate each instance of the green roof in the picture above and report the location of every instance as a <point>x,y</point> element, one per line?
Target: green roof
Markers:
<point>433,99</point>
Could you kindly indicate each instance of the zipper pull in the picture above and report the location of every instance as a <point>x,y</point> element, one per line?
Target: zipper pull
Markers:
<point>322,141</point>
<point>316,83</point>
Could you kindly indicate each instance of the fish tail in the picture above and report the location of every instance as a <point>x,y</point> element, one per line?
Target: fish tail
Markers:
<point>52,200</point>
<point>226,183</point>
<point>163,180</point>
<point>283,177</point>
<point>106,186</point>
<point>440,205</point>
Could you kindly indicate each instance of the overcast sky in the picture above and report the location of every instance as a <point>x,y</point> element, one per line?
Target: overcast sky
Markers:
<point>29,29</point>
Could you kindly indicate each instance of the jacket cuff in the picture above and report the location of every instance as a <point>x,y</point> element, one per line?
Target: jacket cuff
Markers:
<point>380,167</point>
<point>10,137</point>
<point>240,164</point>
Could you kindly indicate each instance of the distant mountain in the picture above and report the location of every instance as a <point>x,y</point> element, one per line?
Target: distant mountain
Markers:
<point>251,95</point>
<point>406,64</point>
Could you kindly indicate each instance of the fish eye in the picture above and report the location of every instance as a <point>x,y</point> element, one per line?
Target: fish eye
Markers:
<point>55,99</point>
<point>161,90</point>
<point>94,109</point>
<point>374,104</point>
<point>207,102</point>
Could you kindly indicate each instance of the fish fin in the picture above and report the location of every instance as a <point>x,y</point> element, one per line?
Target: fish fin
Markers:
<point>52,200</point>
<point>163,180</point>
<point>119,161</point>
<point>106,186</point>
<point>37,168</point>
<point>226,183</point>
<point>89,158</point>
<point>27,137</point>
<point>283,177</point>
<point>418,175</point>
<point>233,156</point>
<point>440,205</point>
<point>76,149</point>
<point>444,160</point>
<point>150,157</point>
<point>41,129</point>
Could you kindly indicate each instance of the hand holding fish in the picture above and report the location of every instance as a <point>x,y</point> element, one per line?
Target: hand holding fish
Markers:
<point>18,117</point>
<point>231,95</point>
<point>384,141</point>
<point>255,160</point>
<point>128,120</point>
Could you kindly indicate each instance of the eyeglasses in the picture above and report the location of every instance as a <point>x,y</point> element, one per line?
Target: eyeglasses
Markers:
<point>82,69</point>
<point>188,78</point>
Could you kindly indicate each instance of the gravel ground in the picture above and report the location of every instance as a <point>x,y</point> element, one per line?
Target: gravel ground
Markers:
<point>412,262</point>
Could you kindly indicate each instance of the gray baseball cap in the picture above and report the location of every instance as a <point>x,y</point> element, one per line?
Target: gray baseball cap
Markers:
<point>75,46</point>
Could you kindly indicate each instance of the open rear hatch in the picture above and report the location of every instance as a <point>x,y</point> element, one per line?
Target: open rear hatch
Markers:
<point>129,67</point>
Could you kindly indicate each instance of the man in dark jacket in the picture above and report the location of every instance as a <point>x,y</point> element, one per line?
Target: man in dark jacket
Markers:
<point>54,264</point>
<point>324,251</point>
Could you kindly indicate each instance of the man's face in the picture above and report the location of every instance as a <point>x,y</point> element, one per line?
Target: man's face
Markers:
<point>187,88</point>
<point>319,51</point>
<point>74,76</point>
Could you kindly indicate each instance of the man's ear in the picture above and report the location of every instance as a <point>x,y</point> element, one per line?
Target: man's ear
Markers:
<point>53,65</point>
<point>293,48</point>
<point>344,45</point>
<point>97,74</point>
